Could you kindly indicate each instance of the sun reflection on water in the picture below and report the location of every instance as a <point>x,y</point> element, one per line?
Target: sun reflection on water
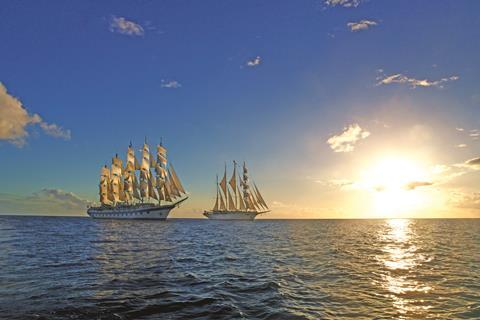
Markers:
<point>401,259</point>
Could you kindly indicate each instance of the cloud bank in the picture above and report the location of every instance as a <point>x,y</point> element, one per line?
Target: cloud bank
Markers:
<point>345,141</point>
<point>14,120</point>
<point>361,25</point>
<point>124,26</point>
<point>45,201</point>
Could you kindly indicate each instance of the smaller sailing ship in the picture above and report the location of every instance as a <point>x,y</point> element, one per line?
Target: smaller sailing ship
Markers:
<point>133,191</point>
<point>237,201</point>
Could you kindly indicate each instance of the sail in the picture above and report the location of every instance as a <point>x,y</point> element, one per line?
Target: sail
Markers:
<point>215,207</point>
<point>222,204</point>
<point>172,188</point>
<point>161,155</point>
<point>176,180</point>
<point>136,188</point>
<point>231,204</point>
<point>233,179</point>
<point>145,166</point>
<point>223,183</point>
<point>259,197</point>
<point>104,185</point>
<point>151,188</point>
<point>241,204</point>
<point>167,193</point>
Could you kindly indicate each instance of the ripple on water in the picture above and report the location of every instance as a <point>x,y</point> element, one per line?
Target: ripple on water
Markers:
<point>76,268</point>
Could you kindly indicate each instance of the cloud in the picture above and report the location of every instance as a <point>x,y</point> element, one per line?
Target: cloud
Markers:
<point>254,62</point>
<point>14,120</point>
<point>464,200</point>
<point>170,84</point>
<point>459,129</point>
<point>461,145</point>
<point>45,201</point>
<point>415,184</point>
<point>343,3</point>
<point>55,131</point>
<point>473,163</point>
<point>475,134</point>
<point>414,83</point>
<point>361,25</point>
<point>124,26</point>
<point>345,141</point>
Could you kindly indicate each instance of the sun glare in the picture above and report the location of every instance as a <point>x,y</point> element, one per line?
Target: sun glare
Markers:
<point>396,185</point>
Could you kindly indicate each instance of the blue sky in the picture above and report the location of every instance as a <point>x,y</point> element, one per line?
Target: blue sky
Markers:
<point>105,73</point>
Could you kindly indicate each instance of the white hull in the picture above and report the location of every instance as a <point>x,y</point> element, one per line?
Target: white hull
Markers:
<point>231,215</point>
<point>138,212</point>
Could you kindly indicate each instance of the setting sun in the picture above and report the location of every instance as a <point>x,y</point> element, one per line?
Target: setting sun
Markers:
<point>395,186</point>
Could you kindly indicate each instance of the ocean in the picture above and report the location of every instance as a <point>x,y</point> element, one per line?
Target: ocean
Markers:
<point>79,268</point>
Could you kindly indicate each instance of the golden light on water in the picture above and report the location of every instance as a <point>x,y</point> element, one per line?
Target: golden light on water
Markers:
<point>401,258</point>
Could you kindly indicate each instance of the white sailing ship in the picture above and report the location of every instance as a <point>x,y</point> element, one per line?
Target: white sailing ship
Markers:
<point>237,201</point>
<point>133,191</point>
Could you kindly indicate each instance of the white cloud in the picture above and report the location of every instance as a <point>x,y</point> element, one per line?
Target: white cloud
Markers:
<point>461,145</point>
<point>345,141</point>
<point>414,83</point>
<point>343,3</point>
<point>475,134</point>
<point>361,25</point>
<point>459,129</point>
<point>170,84</point>
<point>124,26</point>
<point>14,119</point>
<point>254,62</point>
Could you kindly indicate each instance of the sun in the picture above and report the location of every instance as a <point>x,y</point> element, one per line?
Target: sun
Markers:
<point>396,186</point>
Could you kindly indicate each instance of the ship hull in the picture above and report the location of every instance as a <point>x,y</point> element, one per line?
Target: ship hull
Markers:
<point>137,212</point>
<point>231,215</point>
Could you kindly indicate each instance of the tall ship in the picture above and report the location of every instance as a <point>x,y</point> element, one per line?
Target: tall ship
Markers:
<point>238,199</point>
<point>145,189</point>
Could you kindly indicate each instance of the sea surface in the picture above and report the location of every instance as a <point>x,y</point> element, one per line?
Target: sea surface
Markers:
<point>79,268</point>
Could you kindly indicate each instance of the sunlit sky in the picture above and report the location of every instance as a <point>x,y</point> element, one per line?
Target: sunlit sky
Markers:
<point>341,108</point>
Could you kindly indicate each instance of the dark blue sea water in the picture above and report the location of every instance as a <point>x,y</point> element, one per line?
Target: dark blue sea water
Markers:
<point>78,268</point>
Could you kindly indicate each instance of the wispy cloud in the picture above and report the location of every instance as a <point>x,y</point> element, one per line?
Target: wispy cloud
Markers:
<point>124,26</point>
<point>345,141</point>
<point>412,82</point>
<point>473,163</point>
<point>343,3</point>
<point>361,25</point>
<point>14,119</point>
<point>416,184</point>
<point>47,200</point>
<point>475,134</point>
<point>170,84</point>
<point>461,145</point>
<point>254,62</point>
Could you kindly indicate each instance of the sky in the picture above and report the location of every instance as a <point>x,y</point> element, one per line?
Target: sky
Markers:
<point>341,108</point>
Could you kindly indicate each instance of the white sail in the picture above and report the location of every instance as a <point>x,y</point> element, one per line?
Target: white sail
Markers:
<point>151,188</point>
<point>222,204</point>
<point>223,183</point>
<point>233,182</point>
<point>145,166</point>
<point>231,204</point>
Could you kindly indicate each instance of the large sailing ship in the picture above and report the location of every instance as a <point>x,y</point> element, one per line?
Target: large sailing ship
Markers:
<point>133,191</point>
<point>237,199</point>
